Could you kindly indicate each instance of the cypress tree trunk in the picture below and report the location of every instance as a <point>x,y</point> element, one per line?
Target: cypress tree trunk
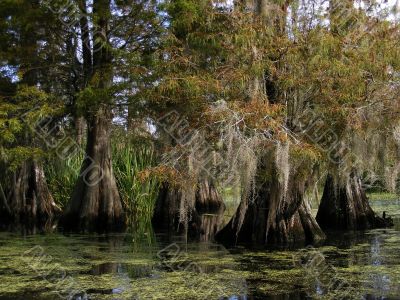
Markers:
<point>80,127</point>
<point>95,203</point>
<point>5,211</point>
<point>261,228</point>
<point>166,212</point>
<point>208,200</point>
<point>208,213</point>
<point>345,206</point>
<point>204,215</point>
<point>269,218</point>
<point>30,202</point>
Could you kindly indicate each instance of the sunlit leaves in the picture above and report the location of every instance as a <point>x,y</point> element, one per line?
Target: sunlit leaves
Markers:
<point>20,117</point>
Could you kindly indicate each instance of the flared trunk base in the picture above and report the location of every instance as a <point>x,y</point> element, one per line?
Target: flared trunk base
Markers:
<point>95,203</point>
<point>29,201</point>
<point>344,206</point>
<point>269,221</point>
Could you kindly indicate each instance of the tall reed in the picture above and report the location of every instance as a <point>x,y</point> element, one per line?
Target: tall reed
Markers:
<point>129,160</point>
<point>61,176</point>
<point>138,196</point>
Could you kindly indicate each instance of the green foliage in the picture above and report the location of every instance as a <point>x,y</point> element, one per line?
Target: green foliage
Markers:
<point>61,177</point>
<point>185,16</point>
<point>138,194</point>
<point>21,117</point>
<point>129,161</point>
<point>90,98</point>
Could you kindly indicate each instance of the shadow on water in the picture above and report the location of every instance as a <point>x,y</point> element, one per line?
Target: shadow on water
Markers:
<point>363,265</point>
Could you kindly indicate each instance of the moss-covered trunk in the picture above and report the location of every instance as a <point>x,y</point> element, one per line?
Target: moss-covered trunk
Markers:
<point>265,222</point>
<point>271,217</point>
<point>344,205</point>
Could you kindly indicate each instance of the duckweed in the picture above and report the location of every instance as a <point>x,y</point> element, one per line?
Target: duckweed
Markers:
<point>113,267</point>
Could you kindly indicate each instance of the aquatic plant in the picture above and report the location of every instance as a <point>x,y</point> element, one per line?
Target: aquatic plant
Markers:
<point>61,175</point>
<point>138,195</point>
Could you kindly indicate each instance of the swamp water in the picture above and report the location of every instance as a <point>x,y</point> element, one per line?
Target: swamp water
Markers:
<point>55,266</point>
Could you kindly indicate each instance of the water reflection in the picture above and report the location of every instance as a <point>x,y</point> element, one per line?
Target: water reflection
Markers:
<point>379,281</point>
<point>129,266</point>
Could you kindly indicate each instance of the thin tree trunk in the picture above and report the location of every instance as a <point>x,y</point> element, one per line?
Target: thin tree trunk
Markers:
<point>80,122</point>
<point>85,41</point>
<point>80,128</point>
<point>5,211</point>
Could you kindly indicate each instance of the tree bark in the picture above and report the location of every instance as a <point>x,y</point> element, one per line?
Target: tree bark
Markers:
<point>208,200</point>
<point>270,218</point>
<point>4,205</point>
<point>5,211</point>
<point>85,41</point>
<point>30,202</point>
<point>80,128</point>
<point>345,206</point>
<point>204,216</point>
<point>86,71</point>
<point>166,212</point>
<point>95,203</point>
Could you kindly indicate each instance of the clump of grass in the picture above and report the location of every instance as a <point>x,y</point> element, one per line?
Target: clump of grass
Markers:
<point>61,176</point>
<point>138,196</point>
<point>129,160</point>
